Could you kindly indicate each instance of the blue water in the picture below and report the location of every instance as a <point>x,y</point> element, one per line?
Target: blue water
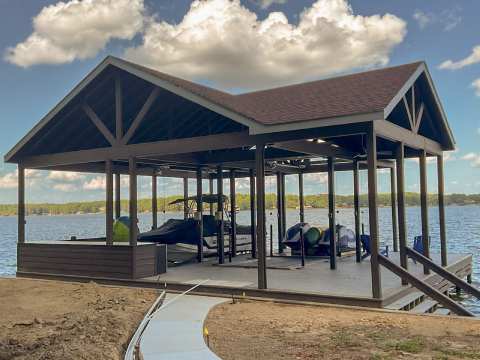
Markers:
<point>463,230</point>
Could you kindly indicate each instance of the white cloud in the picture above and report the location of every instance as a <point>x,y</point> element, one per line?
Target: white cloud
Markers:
<point>224,42</point>
<point>77,29</point>
<point>65,176</point>
<point>476,86</point>
<point>448,18</point>
<point>10,180</point>
<point>97,183</point>
<point>267,3</point>
<point>65,187</point>
<point>422,18</point>
<point>473,158</point>
<point>471,59</point>
<point>317,178</point>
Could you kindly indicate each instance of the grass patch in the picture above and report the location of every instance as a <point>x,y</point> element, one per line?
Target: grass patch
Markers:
<point>343,338</point>
<point>457,353</point>
<point>414,345</point>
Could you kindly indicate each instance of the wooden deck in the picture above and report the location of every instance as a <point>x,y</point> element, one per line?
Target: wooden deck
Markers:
<point>350,284</point>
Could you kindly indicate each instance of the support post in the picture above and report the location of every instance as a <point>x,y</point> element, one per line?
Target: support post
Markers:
<point>233,214</point>
<point>284,213</point>
<point>253,230</point>
<point>132,170</point>
<point>424,207</point>
<point>118,204</point>
<point>109,202</point>
<point>210,189</point>
<point>301,199</point>
<point>154,202</point>
<point>220,233</point>
<point>331,212</point>
<point>279,212</point>
<point>200,215</point>
<point>261,245</point>
<point>402,215</point>
<point>21,204</point>
<point>373,211</point>
<point>393,200</point>
<point>185,198</point>
<point>356,210</point>
<point>441,210</point>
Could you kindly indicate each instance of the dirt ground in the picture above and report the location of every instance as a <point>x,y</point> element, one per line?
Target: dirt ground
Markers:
<point>264,330</point>
<point>58,320</point>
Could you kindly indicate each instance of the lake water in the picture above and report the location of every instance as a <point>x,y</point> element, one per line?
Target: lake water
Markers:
<point>463,230</point>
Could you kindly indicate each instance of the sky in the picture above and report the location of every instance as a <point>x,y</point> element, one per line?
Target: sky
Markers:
<point>47,47</point>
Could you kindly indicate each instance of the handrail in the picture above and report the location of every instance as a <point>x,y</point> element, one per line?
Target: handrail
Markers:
<point>424,287</point>
<point>132,349</point>
<point>447,275</point>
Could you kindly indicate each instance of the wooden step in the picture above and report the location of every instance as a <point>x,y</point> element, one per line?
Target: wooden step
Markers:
<point>442,311</point>
<point>407,302</point>
<point>426,306</point>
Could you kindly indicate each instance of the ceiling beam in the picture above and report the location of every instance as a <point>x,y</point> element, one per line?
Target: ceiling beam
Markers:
<point>141,115</point>
<point>316,149</point>
<point>99,124</point>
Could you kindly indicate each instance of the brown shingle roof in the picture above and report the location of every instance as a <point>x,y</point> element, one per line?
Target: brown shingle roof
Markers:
<point>359,93</point>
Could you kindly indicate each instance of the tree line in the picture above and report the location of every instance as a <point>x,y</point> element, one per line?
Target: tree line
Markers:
<point>242,201</point>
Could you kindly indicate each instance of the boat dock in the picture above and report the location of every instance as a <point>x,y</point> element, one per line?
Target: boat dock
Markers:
<point>125,119</point>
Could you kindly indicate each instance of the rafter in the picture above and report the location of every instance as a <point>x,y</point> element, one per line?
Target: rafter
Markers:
<point>418,117</point>
<point>409,115</point>
<point>141,115</point>
<point>99,124</point>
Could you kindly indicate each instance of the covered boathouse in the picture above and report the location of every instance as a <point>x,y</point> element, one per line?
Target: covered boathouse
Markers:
<point>123,118</point>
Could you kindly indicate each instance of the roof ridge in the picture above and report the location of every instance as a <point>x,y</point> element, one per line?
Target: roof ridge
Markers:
<point>418,63</point>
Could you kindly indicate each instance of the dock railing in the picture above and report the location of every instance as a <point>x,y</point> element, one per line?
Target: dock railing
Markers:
<point>424,287</point>
<point>447,275</point>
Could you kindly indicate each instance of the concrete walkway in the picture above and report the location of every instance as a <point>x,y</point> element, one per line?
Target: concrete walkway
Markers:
<point>176,331</point>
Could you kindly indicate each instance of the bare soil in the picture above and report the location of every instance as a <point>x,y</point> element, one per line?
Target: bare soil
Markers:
<point>265,330</point>
<point>58,320</point>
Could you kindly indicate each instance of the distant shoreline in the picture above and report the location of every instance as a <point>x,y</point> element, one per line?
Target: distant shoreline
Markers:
<point>319,201</point>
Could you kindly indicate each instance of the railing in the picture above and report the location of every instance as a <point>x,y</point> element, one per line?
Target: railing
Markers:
<point>424,287</point>
<point>447,275</point>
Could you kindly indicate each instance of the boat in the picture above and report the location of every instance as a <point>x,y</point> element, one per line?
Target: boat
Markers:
<point>185,231</point>
<point>316,239</point>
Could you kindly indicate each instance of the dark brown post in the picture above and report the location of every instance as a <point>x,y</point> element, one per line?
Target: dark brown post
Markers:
<point>402,216</point>
<point>185,197</point>
<point>118,110</point>
<point>233,214</point>
<point>356,210</point>
<point>441,210</point>
<point>373,211</point>
<point>284,213</point>
<point>132,170</point>
<point>21,204</point>
<point>279,212</point>
<point>118,204</point>
<point>210,189</point>
<point>253,230</point>
<point>424,206</point>
<point>109,202</point>
<point>200,215</point>
<point>393,197</point>
<point>261,229</point>
<point>220,235</point>
<point>331,212</point>
<point>301,199</point>
<point>154,202</point>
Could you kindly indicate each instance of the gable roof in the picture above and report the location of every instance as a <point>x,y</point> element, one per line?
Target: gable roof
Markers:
<point>360,93</point>
<point>363,96</point>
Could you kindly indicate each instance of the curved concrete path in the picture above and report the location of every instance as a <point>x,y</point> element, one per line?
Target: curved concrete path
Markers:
<point>176,332</point>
